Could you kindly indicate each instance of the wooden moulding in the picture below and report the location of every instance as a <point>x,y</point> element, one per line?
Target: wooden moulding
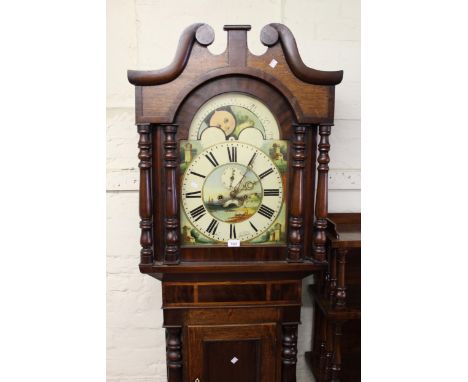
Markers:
<point>196,271</point>
<point>159,93</point>
<point>204,35</point>
<point>231,293</point>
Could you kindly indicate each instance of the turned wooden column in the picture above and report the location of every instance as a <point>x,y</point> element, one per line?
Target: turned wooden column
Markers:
<point>335,367</point>
<point>322,324</point>
<point>289,353</point>
<point>146,214</point>
<point>296,219</point>
<point>341,281</point>
<point>174,354</point>
<point>171,220</point>
<point>332,275</point>
<point>321,203</point>
<point>328,349</point>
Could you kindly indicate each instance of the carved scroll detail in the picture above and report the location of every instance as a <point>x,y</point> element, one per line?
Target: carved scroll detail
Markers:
<point>270,35</point>
<point>146,215</point>
<point>289,352</point>
<point>321,203</point>
<point>174,354</point>
<point>202,33</point>
<point>171,221</point>
<point>296,219</point>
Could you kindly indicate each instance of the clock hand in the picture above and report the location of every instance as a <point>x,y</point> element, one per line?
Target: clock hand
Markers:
<point>232,179</point>
<point>249,168</point>
<point>252,160</point>
<point>249,185</point>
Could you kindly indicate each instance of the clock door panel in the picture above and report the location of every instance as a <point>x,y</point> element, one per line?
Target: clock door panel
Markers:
<point>221,365</point>
<point>232,353</point>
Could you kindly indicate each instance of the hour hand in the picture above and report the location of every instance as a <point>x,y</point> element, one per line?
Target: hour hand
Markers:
<point>232,179</point>
<point>249,168</point>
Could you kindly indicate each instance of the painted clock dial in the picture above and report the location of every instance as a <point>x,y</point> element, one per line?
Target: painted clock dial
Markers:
<point>233,114</point>
<point>233,174</point>
<point>232,190</point>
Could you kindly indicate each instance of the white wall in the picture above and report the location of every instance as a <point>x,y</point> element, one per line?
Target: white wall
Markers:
<point>143,34</point>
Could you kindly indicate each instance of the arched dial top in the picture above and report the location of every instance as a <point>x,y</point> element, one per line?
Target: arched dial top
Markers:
<point>233,115</point>
<point>233,190</point>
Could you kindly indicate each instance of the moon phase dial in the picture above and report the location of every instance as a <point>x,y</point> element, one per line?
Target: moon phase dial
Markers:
<point>236,115</point>
<point>223,120</point>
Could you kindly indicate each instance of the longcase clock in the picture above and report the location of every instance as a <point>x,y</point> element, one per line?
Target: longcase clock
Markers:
<point>233,199</point>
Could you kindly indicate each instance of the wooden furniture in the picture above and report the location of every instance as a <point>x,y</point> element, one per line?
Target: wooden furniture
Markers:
<point>233,199</point>
<point>336,341</point>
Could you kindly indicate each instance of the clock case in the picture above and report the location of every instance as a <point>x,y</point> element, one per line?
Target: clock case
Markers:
<point>250,284</point>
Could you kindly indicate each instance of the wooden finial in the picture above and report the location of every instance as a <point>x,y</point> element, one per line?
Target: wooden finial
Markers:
<point>237,44</point>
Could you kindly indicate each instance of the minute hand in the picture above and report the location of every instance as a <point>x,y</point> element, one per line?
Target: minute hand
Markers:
<point>249,167</point>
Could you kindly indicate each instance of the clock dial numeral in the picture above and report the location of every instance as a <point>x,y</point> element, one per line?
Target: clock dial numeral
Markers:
<point>232,153</point>
<point>232,232</point>
<point>271,192</point>
<point>194,194</point>
<point>198,213</point>
<point>265,173</point>
<point>212,159</point>
<point>254,228</point>
<point>197,174</point>
<point>213,226</point>
<point>266,211</point>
